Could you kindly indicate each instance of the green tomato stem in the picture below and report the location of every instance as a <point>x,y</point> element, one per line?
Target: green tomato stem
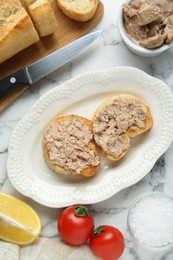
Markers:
<point>98,231</point>
<point>81,211</point>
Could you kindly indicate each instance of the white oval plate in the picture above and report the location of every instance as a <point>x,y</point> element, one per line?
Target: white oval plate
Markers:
<point>82,95</point>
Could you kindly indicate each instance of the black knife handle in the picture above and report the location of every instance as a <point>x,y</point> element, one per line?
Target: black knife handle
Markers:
<point>11,82</point>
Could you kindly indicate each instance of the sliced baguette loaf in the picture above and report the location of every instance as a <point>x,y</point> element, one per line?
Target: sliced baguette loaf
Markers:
<point>78,10</point>
<point>42,16</point>
<point>116,120</point>
<point>68,148</point>
<point>17,31</point>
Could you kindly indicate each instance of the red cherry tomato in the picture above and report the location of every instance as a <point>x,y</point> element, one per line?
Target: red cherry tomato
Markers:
<point>107,242</point>
<point>75,225</point>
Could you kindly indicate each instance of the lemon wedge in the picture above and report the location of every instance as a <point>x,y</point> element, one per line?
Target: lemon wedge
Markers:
<point>19,223</point>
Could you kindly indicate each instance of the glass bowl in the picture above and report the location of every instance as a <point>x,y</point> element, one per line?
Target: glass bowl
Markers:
<point>150,221</point>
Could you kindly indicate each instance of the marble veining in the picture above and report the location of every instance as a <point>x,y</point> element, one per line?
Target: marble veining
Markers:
<point>106,52</point>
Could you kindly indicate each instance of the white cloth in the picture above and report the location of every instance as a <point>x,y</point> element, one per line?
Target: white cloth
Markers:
<point>45,249</point>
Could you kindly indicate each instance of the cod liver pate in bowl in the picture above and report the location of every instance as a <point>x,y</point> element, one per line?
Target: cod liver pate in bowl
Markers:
<point>146,26</point>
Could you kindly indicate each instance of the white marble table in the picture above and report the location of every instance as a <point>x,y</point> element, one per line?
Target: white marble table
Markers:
<point>106,52</point>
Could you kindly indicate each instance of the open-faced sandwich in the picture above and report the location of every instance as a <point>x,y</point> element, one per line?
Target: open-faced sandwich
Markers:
<point>116,120</point>
<point>68,146</point>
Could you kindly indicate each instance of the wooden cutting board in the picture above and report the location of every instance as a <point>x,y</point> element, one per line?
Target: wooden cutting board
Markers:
<point>68,31</point>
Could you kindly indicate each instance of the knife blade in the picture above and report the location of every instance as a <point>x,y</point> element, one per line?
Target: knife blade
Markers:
<point>39,69</point>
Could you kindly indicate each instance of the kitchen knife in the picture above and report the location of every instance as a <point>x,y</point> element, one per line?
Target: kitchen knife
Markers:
<point>32,73</point>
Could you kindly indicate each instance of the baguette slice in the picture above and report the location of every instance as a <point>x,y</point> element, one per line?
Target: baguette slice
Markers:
<point>17,31</point>
<point>42,16</point>
<point>68,148</point>
<point>116,120</point>
<point>79,10</point>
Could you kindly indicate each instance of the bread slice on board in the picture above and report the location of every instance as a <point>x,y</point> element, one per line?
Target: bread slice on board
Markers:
<point>17,31</point>
<point>79,10</point>
<point>68,146</point>
<point>42,16</point>
<point>116,120</point>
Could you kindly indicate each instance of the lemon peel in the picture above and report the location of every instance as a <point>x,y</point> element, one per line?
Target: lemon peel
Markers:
<point>19,223</point>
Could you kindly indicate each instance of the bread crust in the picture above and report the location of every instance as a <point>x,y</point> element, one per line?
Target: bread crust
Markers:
<point>78,14</point>
<point>17,31</point>
<point>16,34</point>
<point>129,133</point>
<point>88,172</point>
<point>42,16</point>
